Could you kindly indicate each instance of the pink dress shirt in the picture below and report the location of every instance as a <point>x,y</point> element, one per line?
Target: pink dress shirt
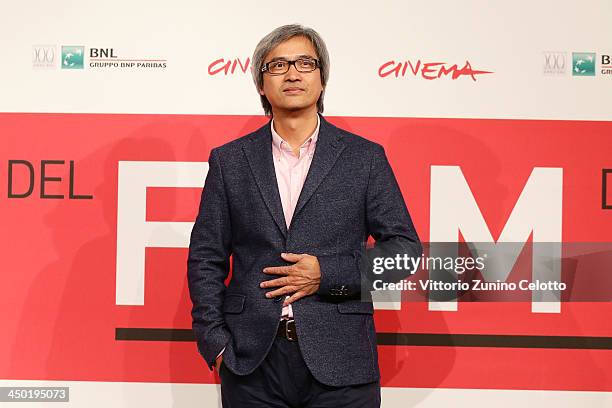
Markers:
<point>291,171</point>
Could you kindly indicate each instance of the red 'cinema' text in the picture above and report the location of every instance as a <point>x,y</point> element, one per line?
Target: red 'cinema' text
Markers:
<point>229,66</point>
<point>428,70</point>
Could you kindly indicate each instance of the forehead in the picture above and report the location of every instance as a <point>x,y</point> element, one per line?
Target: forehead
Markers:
<point>292,48</point>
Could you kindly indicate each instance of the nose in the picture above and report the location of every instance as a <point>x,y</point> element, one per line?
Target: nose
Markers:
<point>293,73</point>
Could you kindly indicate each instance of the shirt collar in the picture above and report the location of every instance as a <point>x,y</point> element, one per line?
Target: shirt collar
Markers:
<point>277,140</point>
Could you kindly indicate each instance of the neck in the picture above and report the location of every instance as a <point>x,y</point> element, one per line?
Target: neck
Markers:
<point>295,127</point>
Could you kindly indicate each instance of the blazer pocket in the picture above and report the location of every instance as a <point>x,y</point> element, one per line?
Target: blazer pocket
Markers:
<point>233,303</point>
<point>356,307</point>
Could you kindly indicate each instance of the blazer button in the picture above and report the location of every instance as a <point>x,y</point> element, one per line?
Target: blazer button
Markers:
<point>278,298</point>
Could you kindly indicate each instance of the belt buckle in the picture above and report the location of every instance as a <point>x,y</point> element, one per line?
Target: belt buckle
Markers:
<point>290,330</point>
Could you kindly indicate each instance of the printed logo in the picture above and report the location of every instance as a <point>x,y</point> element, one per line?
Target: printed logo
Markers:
<point>229,66</point>
<point>44,56</point>
<point>583,64</point>
<point>72,56</point>
<point>428,70</point>
<point>108,58</point>
<point>554,63</point>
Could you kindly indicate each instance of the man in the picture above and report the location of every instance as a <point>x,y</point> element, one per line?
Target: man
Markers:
<point>293,203</point>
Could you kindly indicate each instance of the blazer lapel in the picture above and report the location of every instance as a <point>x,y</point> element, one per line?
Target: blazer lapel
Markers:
<point>328,149</point>
<point>259,156</point>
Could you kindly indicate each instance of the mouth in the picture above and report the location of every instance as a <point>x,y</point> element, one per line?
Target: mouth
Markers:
<point>292,91</point>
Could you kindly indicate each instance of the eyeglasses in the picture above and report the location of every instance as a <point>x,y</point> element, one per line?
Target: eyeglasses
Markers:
<point>282,66</point>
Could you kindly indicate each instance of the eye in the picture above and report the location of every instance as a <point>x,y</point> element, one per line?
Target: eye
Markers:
<point>278,64</point>
<point>306,63</point>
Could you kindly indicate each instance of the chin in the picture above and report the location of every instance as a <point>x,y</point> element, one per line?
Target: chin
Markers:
<point>294,107</point>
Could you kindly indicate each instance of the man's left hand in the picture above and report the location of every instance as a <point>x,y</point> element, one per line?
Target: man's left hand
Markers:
<point>298,280</point>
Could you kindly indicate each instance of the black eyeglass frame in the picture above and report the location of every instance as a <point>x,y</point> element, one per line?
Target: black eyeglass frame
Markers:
<point>266,66</point>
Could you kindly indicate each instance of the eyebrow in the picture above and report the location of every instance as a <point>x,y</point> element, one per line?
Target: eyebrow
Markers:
<point>285,58</point>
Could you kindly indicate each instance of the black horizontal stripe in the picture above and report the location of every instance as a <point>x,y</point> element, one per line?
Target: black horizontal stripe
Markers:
<point>154,334</point>
<point>494,340</point>
<point>411,339</point>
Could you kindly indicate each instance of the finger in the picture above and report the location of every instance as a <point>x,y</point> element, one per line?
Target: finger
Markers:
<point>293,298</point>
<point>291,257</point>
<point>278,270</point>
<point>285,290</point>
<point>275,282</point>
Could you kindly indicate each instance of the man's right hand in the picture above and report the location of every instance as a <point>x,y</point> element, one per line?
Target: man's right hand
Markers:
<point>218,362</point>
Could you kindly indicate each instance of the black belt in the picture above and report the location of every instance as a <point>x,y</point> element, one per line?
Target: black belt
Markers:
<point>286,329</point>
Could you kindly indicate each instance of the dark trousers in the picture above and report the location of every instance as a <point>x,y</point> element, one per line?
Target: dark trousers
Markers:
<point>283,380</point>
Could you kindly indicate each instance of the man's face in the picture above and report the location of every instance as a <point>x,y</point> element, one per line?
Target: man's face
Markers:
<point>293,90</point>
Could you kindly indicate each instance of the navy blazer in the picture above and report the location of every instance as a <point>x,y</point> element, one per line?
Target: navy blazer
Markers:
<point>349,193</point>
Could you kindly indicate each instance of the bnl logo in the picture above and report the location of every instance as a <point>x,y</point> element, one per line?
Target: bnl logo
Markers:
<point>583,64</point>
<point>72,56</point>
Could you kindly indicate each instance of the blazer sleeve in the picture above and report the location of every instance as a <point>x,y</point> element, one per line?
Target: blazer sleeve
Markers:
<point>208,264</point>
<point>388,222</point>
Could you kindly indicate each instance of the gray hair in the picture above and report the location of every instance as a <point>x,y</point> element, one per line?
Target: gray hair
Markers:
<point>279,35</point>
